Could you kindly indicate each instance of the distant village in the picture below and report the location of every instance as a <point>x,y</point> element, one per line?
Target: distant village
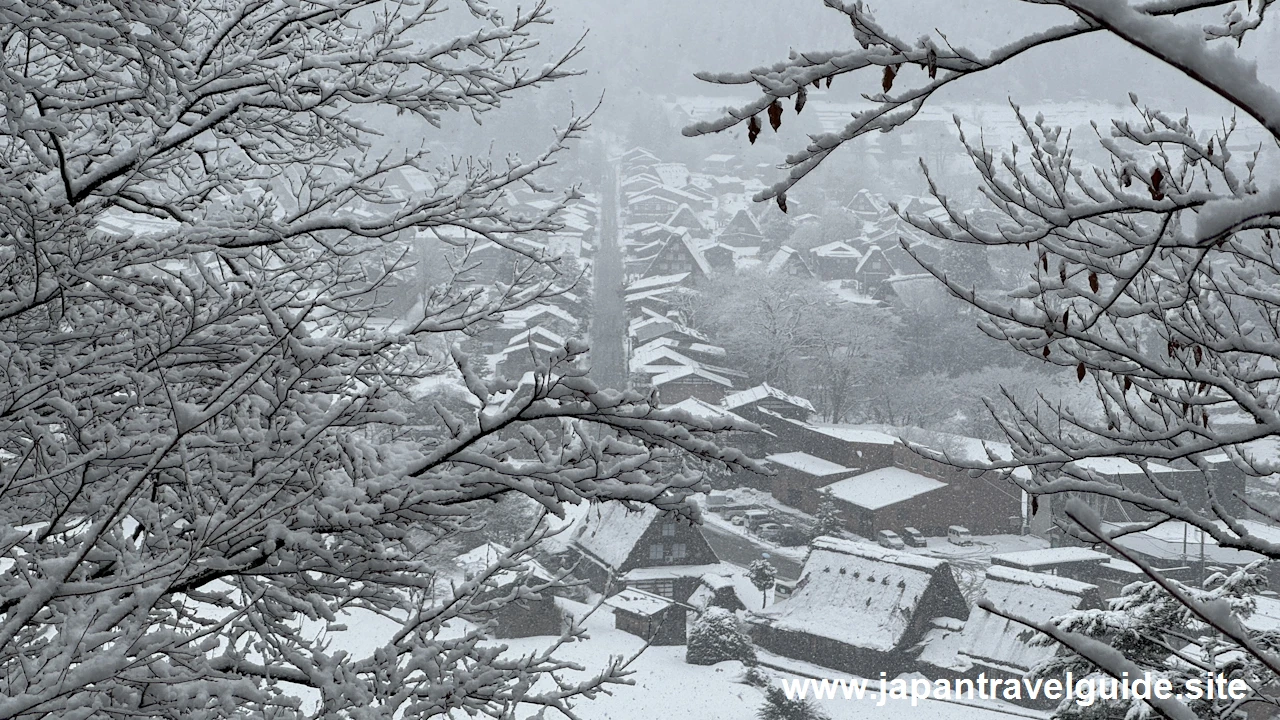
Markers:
<point>892,584</point>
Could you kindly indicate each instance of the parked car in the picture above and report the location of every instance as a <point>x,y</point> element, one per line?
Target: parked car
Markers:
<point>913,537</point>
<point>890,539</point>
<point>756,518</point>
<point>959,535</point>
<point>783,589</point>
<point>769,530</point>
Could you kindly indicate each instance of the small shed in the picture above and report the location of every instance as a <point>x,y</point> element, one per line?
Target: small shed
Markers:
<point>652,617</point>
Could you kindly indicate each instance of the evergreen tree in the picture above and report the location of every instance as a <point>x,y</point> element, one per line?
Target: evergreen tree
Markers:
<point>762,575</point>
<point>716,637</point>
<point>777,706</point>
<point>829,520</point>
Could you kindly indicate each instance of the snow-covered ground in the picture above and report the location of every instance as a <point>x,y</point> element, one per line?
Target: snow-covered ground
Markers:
<point>665,686</point>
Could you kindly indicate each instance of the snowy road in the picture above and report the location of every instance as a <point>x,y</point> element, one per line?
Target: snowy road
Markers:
<point>608,311</point>
<point>735,549</point>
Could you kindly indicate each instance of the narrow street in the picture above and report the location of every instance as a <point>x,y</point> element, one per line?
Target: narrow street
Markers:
<point>737,550</point>
<point>609,314</point>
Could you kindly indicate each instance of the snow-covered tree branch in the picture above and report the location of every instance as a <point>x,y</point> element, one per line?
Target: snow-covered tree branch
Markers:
<point>1151,274</point>
<point>199,479</point>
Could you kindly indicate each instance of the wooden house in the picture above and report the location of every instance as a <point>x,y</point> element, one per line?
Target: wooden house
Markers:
<point>611,541</point>
<point>656,619</point>
<point>789,261</point>
<point>651,325</point>
<point>835,261</point>
<point>860,609</point>
<point>686,382</point>
<point>659,203</point>
<point>867,206</point>
<point>993,645</point>
<point>852,446</point>
<point>527,351</point>
<point>741,231</point>
<point>798,477</point>
<point>525,617</point>
<point>720,258</point>
<point>656,358</point>
<point>637,158</point>
<point>872,270</point>
<point>721,163</point>
<point>764,396</point>
<point>685,219</point>
<point>679,255</point>
<point>750,443</point>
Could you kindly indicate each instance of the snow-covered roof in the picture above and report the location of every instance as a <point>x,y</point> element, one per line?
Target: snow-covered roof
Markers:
<point>1048,557</point>
<point>837,249</point>
<point>761,391</point>
<point>674,175</point>
<point>1117,466</point>
<point>742,224</point>
<point>864,202</point>
<point>781,257</point>
<point>882,487</point>
<point>705,410</point>
<point>685,372</point>
<point>853,433</point>
<point>610,531</point>
<point>523,315</point>
<point>542,338</point>
<point>857,594</point>
<point>991,638</point>
<point>807,464</point>
<point>673,571</point>
<point>480,558</point>
<point>638,602</point>
<point>656,281</point>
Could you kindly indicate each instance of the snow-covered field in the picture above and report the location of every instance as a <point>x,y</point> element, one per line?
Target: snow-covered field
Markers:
<point>665,686</point>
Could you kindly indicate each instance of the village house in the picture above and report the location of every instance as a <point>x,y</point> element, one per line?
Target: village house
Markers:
<point>867,206</point>
<point>682,383</point>
<point>798,477</point>
<point>741,231</point>
<point>835,261</point>
<point>721,163</point>
<point>751,402</point>
<point>789,261</point>
<point>651,325</point>
<point>685,219</point>
<point>872,270</point>
<point>749,443</point>
<point>527,351</point>
<point>538,615</point>
<point>544,316</point>
<point>637,159</point>
<point>1228,488</point>
<point>720,258</point>
<point>660,300</point>
<point>705,353</point>
<point>860,609</point>
<point>679,255</point>
<point>659,203</point>
<point>611,541</point>
<point>655,618</point>
<point>993,645</point>
<point>852,446</point>
<point>658,358</point>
